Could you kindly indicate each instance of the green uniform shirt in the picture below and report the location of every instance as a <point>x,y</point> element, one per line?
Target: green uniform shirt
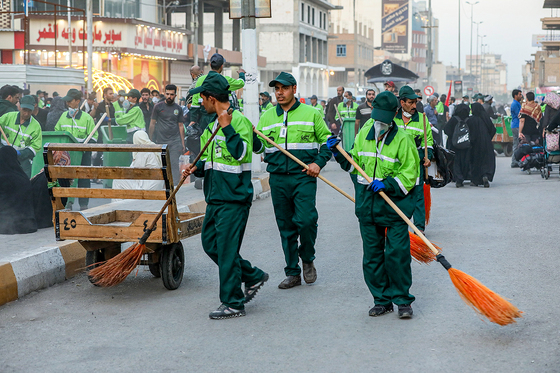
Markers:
<point>265,108</point>
<point>234,85</point>
<point>395,162</point>
<point>439,107</point>
<point>415,128</point>
<point>40,104</point>
<point>226,163</point>
<point>301,130</point>
<point>80,126</point>
<point>27,137</point>
<point>133,119</point>
<point>347,111</point>
<point>119,109</point>
<point>321,111</point>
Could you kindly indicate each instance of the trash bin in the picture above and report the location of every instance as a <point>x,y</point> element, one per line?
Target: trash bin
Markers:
<point>115,159</point>
<point>55,137</point>
<point>348,133</point>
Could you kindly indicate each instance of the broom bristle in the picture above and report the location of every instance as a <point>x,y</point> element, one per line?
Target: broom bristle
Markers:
<point>483,300</point>
<point>427,201</point>
<point>420,251</point>
<point>115,270</point>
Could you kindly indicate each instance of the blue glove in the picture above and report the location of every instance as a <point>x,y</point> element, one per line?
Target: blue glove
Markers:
<point>376,186</point>
<point>18,153</point>
<point>332,142</point>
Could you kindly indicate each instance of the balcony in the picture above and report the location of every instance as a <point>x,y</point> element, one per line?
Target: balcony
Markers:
<point>550,23</point>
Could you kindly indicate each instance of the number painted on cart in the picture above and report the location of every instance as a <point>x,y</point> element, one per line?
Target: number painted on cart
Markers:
<point>73,224</point>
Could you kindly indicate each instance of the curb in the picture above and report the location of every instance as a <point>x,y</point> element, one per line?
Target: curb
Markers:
<point>56,264</point>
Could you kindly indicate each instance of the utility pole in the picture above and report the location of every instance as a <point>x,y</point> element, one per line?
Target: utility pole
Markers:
<point>89,15</point>
<point>430,51</point>
<point>69,35</point>
<point>470,62</point>
<point>356,74</point>
<point>251,89</point>
<point>195,39</point>
<point>477,65</point>
<point>459,41</point>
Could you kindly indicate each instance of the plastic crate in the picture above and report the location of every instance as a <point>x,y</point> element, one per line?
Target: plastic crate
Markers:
<point>348,133</point>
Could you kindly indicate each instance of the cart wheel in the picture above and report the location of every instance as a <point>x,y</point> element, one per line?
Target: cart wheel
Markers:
<point>508,149</point>
<point>172,262</point>
<point>93,257</point>
<point>155,269</point>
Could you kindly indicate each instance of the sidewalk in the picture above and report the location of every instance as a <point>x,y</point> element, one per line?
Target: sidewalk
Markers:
<point>29,262</point>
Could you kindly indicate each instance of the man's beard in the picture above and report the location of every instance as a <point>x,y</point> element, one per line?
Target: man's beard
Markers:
<point>169,102</point>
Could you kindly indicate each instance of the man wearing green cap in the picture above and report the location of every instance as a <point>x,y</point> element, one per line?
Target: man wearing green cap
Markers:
<point>80,124</point>
<point>413,124</point>
<point>265,102</point>
<point>23,132</point>
<point>118,104</point>
<point>347,108</point>
<point>228,190</point>
<point>133,119</point>
<point>317,106</point>
<point>301,130</point>
<point>389,156</point>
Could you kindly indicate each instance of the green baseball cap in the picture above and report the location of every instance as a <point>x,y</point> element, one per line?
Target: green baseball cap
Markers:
<point>27,102</point>
<point>407,93</point>
<point>134,93</point>
<point>385,106</point>
<point>73,94</point>
<point>265,93</point>
<point>214,83</point>
<point>284,79</point>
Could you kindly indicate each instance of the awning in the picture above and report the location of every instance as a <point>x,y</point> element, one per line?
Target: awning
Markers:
<point>387,70</point>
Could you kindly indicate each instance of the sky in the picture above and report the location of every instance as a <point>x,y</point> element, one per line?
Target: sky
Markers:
<point>507,24</point>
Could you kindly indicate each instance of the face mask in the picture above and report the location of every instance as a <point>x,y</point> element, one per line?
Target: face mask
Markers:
<point>155,100</point>
<point>121,99</point>
<point>380,128</point>
<point>407,114</point>
<point>126,104</point>
<point>345,100</point>
<point>72,111</point>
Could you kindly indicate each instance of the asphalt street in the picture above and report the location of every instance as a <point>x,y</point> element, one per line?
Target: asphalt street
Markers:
<point>505,236</point>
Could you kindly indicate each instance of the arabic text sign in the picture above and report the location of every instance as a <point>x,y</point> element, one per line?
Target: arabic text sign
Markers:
<point>108,35</point>
<point>394,25</point>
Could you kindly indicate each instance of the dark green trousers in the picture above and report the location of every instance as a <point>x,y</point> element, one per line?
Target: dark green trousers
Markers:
<point>419,214</point>
<point>386,263</point>
<point>293,198</point>
<point>222,234</point>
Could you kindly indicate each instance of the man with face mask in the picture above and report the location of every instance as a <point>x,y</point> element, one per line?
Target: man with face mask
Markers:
<point>389,157</point>
<point>364,110</point>
<point>347,109</point>
<point>412,124</point>
<point>23,132</point>
<point>80,124</point>
<point>133,119</point>
<point>118,104</point>
<point>301,130</point>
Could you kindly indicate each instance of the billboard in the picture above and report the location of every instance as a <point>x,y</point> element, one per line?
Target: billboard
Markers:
<point>394,25</point>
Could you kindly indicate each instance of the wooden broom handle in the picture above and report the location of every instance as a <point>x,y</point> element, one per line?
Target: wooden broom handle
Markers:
<point>109,129</point>
<point>95,129</point>
<point>425,146</point>
<point>388,200</point>
<point>298,161</point>
<point>4,136</point>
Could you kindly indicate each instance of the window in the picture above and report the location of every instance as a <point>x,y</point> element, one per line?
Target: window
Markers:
<point>302,12</point>
<point>308,14</point>
<point>320,19</point>
<point>325,21</point>
<point>313,16</point>
<point>341,50</point>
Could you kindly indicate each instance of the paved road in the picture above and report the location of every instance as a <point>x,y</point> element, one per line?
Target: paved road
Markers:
<point>506,236</point>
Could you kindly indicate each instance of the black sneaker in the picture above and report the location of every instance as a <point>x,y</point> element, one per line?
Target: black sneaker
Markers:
<point>225,312</point>
<point>405,311</point>
<point>380,309</point>
<point>485,182</point>
<point>252,290</point>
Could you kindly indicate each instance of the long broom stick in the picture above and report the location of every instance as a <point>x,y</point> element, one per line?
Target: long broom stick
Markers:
<point>4,136</point>
<point>426,186</point>
<point>117,269</point>
<point>483,300</point>
<point>419,251</point>
<point>95,128</point>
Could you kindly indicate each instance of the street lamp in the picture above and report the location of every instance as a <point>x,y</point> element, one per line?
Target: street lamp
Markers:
<point>482,71</point>
<point>472,5</point>
<point>481,54</point>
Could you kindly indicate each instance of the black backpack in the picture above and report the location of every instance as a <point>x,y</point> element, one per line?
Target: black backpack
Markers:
<point>444,160</point>
<point>461,139</point>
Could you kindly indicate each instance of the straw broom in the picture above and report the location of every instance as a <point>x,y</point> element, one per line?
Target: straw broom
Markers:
<point>427,187</point>
<point>483,300</point>
<point>116,270</point>
<point>418,249</point>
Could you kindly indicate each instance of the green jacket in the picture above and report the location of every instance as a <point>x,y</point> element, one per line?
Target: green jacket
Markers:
<point>197,110</point>
<point>347,111</point>
<point>80,126</point>
<point>265,108</point>
<point>321,111</point>
<point>26,138</point>
<point>133,119</point>
<point>6,107</point>
<point>439,107</point>
<point>415,128</point>
<point>226,163</point>
<point>305,137</point>
<point>396,165</point>
<point>119,109</point>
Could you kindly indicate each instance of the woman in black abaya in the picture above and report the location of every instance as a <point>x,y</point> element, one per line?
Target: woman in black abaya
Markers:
<point>462,162</point>
<point>17,215</point>
<point>483,159</point>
